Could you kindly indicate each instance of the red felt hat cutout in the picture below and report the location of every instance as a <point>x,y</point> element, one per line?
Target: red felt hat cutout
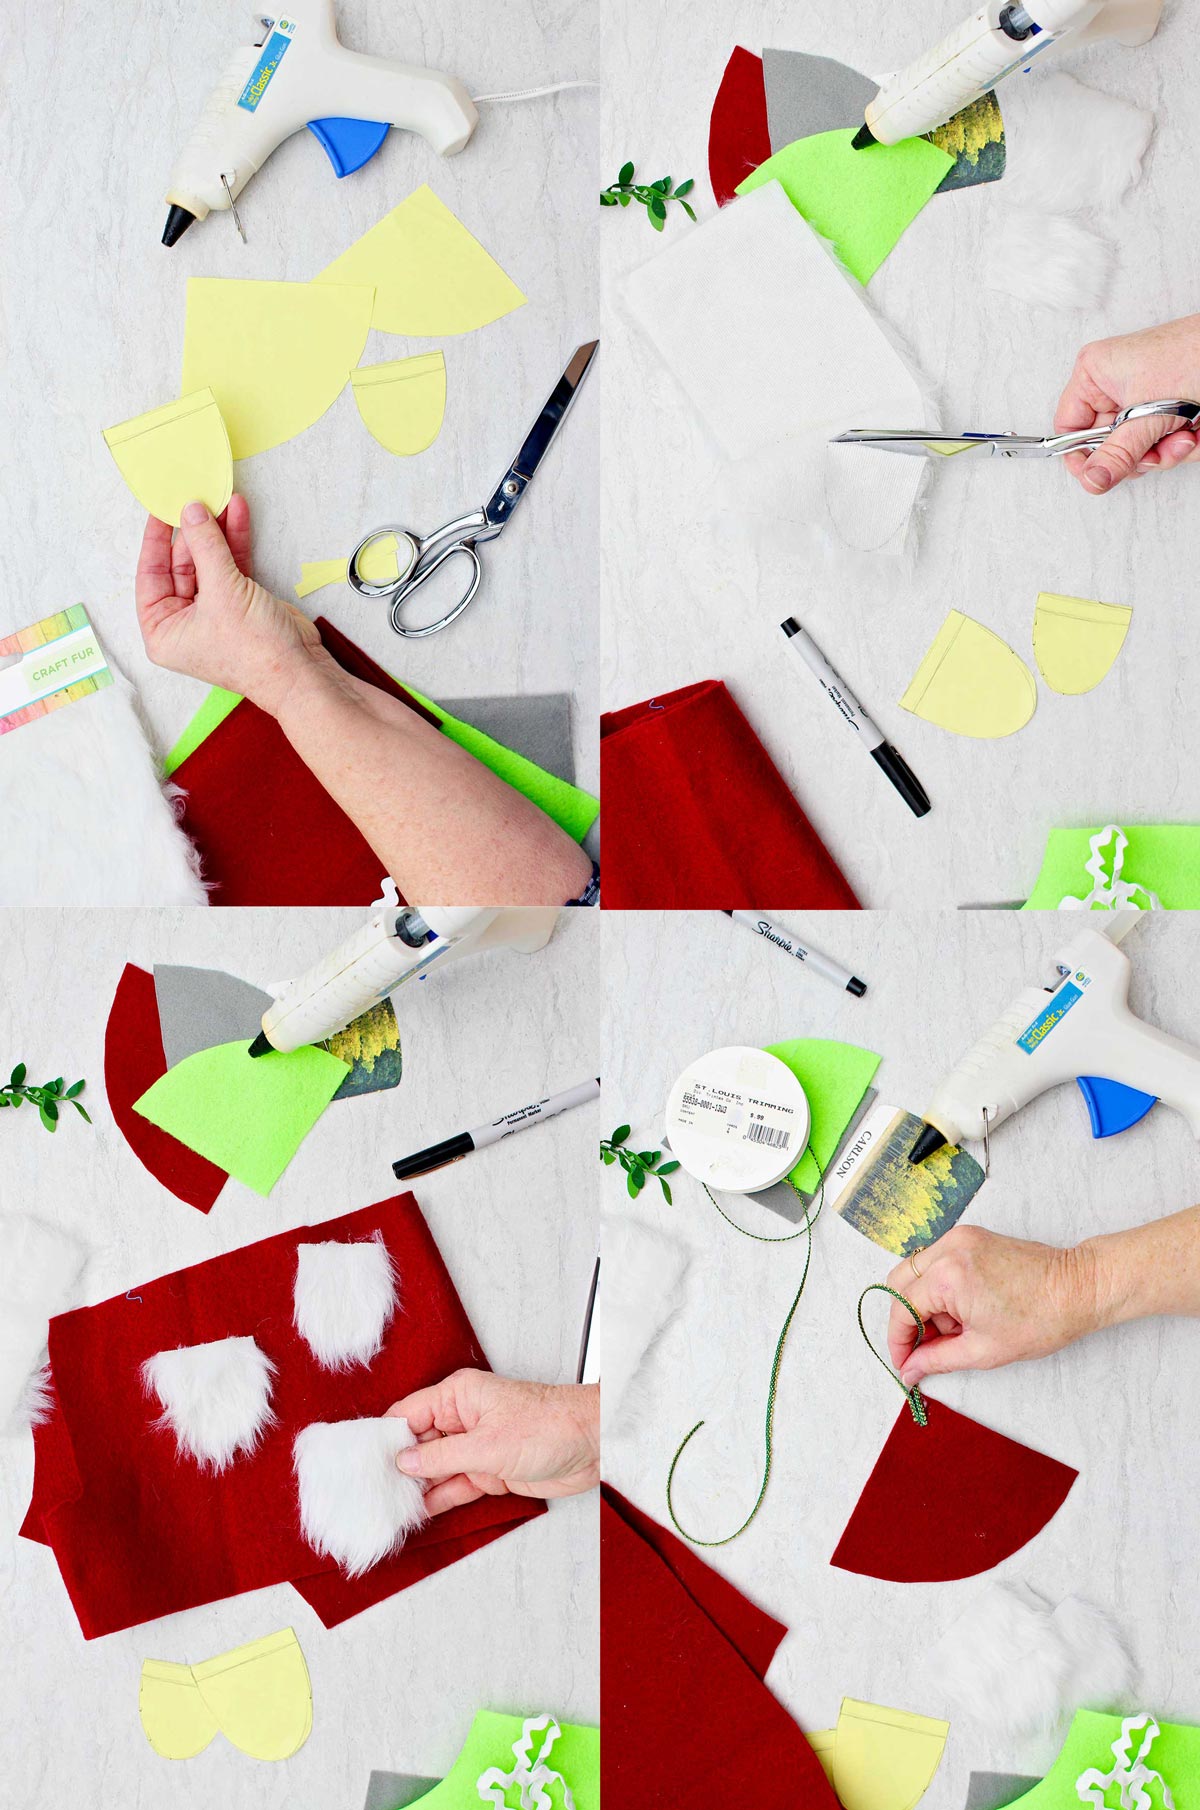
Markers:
<point>949,1500</point>
<point>682,1658</point>
<point>133,1061</point>
<point>738,136</point>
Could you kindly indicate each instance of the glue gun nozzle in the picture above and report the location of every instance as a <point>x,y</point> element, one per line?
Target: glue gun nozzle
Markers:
<point>862,138</point>
<point>178,221</point>
<point>930,1140</point>
<point>262,1045</point>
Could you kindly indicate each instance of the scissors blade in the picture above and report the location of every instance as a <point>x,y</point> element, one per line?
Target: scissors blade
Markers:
<point>936,443</point>
<point>538,441</point>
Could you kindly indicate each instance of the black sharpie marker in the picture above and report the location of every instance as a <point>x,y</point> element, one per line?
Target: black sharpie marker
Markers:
<point>452,1149</point>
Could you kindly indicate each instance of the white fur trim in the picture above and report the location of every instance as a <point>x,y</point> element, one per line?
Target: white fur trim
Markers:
<point>1102,1674</point>
<point>355,1506</point>
<point>86,821</point>
<point>40,1269</point>
<point>216,1398</point>
<point>344,1300</point>
<point>1047,259</point>
<point>642,1274</point>
<point>1069,148</point>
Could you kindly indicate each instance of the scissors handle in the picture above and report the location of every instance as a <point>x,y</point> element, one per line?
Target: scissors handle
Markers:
<point>423,570</point>
<point>426,557</point>
<point>1089,438</point>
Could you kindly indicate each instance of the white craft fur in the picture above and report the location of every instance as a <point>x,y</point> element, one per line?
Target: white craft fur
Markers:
<point>643,1274</point>
<point>1102,1674</point>
<point>344,1299</point>
<point>216,1398</point>
<point>1047,259</point>
<point>86,819</point>
<point>355,1506</point>
<point>40,1268</point>
<point>1069,148</point>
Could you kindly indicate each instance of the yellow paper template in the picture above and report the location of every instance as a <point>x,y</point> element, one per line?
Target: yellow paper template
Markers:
<point>175,455</point>
<point>430,277</point>
<point>177,1721</point>
<point>884,1759</point>
<point>275,355</point>
<point>402,403</point>
<point>1076,640</point>
<point>260,1696</point>
<point>822,1745</point>
<point>971,682</point>
<point>380,563</point>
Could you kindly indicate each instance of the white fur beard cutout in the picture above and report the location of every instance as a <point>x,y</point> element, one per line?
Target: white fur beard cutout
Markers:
<point>1071,149</point>
<point>1047,259</point>
<point>344,1299</point>
<point>355,1506</point>
<point>41,1271</point>
<point>216,1398</point>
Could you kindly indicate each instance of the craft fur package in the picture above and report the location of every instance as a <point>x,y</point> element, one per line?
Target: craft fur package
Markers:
<point>695,813</point>
<point>138,1531</point>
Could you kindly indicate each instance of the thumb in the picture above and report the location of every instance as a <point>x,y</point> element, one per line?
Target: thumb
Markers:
<point>938,1357</point>
<point>1118,457</point>
<point>439,1458</point>
<point>207,545</point>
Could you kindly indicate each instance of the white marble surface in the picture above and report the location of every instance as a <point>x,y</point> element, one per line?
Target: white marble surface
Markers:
<point>1119,1407</point>
<point>93,311</point>
<point>513,1627</point>
<point>695,587</point>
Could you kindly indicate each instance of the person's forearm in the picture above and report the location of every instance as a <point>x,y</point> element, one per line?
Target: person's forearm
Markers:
<point>1148,1270</point>
<point>443,825</point>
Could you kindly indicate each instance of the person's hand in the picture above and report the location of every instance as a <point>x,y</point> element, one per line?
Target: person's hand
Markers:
<point>987,1301</point>
<point>201,612</point>
<point>1113,374</point>
<point>485,1435</point>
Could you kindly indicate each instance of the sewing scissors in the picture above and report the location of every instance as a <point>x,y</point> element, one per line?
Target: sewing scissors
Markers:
<point>934,443</point>
<point>419,557</point>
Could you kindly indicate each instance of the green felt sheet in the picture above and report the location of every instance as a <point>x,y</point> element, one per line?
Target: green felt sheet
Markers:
<point>247,1114</point>
<point>834,1076</point>
<point>576,1755</point>
<point>1175,1754</point>
<point>571,808</point>
<point>860,200</point>
<point>1162,857</point>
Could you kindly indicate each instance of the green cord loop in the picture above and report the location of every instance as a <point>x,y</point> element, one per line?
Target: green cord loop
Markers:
<point>810,1219</point>
<point>913,1396</point>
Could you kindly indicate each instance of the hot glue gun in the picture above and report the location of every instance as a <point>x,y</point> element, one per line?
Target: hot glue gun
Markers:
<point>297,74</point>
<point>1002,36</point>
<point>1078,1028</point>
<point>396,944</point>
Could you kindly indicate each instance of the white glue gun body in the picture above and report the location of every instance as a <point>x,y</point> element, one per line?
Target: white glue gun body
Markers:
<point>1002,36</point>
<point>396,944</point>
<point>300,75</point>
<point>1080,1030</point>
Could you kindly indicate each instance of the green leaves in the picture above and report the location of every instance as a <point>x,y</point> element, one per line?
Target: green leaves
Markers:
<point>652,195</point>
<point>47,1097</point>
<point>637,1165</point>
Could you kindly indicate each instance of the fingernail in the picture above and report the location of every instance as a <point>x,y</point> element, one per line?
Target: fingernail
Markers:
<point>1097,480</point>
<point>910,1377</point>
<point>409,1461</point>
<point>194,512</point>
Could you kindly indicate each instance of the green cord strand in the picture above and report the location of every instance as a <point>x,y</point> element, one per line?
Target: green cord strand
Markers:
<point>913,1396</point>
<point>810,1219</point>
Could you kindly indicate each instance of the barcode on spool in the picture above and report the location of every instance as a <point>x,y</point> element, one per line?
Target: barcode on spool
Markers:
<point>758,1133</point>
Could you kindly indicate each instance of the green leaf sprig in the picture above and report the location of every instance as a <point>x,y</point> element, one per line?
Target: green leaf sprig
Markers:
<point>47,1097</point>
<point>636,1164</point>
<point>652,195</point>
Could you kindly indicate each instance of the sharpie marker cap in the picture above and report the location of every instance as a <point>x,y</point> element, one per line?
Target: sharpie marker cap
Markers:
<point>902,777</point>
<point>436,1157</point>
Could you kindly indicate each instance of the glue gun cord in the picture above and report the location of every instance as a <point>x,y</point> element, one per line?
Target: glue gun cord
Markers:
<point>531,94</point>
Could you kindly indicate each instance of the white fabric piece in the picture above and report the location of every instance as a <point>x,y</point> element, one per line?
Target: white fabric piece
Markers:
<point>216,1398</point>
<point>777,349</point>
<point>1048,259</point>
<point>344,1299</point>
<point>355,1506</point>
<point>1110,890</point>
<point>642,1274</point>
<point>1071,149</point>
<point>40,1268</point>
<point>86,819</point>
<point>1129,1773</point>
<point>531,1773</point>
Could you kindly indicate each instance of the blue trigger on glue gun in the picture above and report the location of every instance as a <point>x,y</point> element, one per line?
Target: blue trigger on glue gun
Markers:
<point>348,143</point>
<point>1113,1107</point>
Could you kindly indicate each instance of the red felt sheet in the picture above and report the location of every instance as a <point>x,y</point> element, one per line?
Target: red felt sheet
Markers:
<point>949,1500</point>
<point>695,814</point>
<point>140,1532</point>
<point>133,1061</point>
<point>267,830</point>
<point>682,1659</point>
<point>738,135</point>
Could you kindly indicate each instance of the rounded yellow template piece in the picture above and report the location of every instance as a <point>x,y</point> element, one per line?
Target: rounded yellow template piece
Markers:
<point>402,403</point>
<point>260,1696</point>
<point>177,1721</point>
<point>884,1759</point>
<point>971,682</point>
<point>1076,640</point>
<point>174,455</point>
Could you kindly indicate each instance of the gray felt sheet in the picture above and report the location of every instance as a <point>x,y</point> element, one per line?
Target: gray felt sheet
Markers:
<point>199,1008</point>
<point>392,1790</point>
<point>537,727</point>
<point>992,1790</point>
<point>811,94</point>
